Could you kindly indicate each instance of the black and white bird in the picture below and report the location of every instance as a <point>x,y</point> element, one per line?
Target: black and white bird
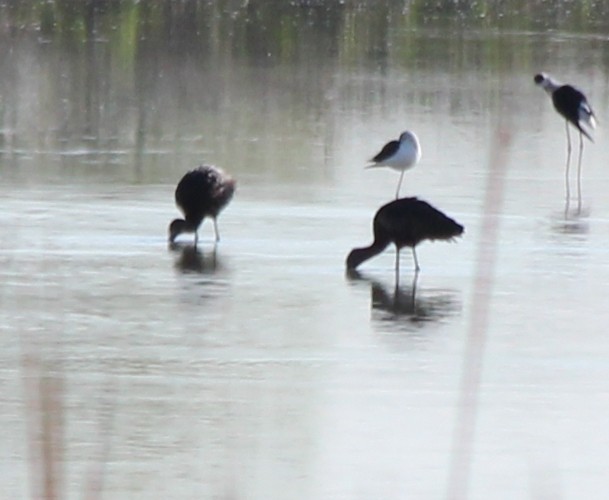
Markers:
<point>405,222</point>
<point>202,192</point>
<point>570,102</point>
<point>399,155</point>
<point>573,106</point>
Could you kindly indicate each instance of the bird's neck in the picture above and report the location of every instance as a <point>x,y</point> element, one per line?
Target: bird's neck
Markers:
<point>189,226</point>
<point>550,85</point>
<point>359,255</point>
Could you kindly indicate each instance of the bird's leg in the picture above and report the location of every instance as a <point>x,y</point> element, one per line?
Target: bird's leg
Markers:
<point>579,173</point>
<point>397,193</point>
<point>196,239</point>
<point>568,192</point>
<point>214,261</point>
<point>416,261</point>
<point>395,304</point>
<point>217,234</point>
<point>397,266</point>
<point>414,291</point>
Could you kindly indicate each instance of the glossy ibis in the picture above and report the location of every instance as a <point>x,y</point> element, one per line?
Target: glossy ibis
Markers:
<point>202,192</point>
<point>405,223</point>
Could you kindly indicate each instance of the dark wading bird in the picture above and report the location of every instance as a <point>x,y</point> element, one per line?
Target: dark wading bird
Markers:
<point>405,223</point>
<point>399,155</point>
<point>202,192</point>
<point>573,106</point>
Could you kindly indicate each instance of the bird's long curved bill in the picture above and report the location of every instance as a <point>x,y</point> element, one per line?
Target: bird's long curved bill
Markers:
<point>374,165</point>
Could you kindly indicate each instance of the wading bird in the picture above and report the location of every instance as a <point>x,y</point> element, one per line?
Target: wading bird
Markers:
<point>399,155</point>
<point>574,107</point>
<point>202,192</point>
<point>405,223</point>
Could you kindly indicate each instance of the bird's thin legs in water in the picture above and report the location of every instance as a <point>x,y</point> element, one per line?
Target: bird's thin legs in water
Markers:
<point>214,260</point>
<point>416,261</point>
<point>397,266</point>
<point>196,239</point>
<point>414,290</point>
<point>397,193</point>
<point>413,294</point>
<point>216,233</point>
<point>568,160</point>
<point>579,173</point>
<point>567,165</point>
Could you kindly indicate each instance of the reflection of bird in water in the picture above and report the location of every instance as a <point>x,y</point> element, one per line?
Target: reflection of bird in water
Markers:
<point>202,192</point>
<point>406,223</point>
<point>190,260</point>
<point>399,155</point>
<point>574,107</point>
<point>573,226</point>
<point>403,302</point>
<point>201,275</point>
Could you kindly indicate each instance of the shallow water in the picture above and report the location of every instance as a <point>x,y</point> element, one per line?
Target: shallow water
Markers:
<point>261,369</point>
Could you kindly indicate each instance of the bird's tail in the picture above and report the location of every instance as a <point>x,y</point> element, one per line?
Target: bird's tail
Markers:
<point>445,228</point>
<point>585,132</point>
<point>588,118</point>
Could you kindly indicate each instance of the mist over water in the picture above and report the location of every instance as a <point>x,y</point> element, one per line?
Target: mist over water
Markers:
<point>260,368</point>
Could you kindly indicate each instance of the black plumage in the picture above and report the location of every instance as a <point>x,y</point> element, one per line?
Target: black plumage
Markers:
<point>202,192</point>
<point>569,102</point>
<point>405,223</point>
<point>573,106</point>
<point>389,150</point>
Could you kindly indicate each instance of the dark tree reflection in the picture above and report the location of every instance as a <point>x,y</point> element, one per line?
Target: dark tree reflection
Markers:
<point>126,76</point>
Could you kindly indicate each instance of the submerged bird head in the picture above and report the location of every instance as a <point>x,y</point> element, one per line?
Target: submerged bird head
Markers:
<point>546,82</point>
<point>359,255</point>
<point>177,227</point>
<point>355,258</point>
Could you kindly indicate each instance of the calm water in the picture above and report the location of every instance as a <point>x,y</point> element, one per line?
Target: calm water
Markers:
<point>262,370</point>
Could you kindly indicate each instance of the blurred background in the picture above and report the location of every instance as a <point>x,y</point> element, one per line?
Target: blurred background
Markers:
<point>258,369</point>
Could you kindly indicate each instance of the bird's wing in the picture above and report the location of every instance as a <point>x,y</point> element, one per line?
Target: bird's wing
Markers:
<point>571,103</point>
<point>416,220</point>
<point>193,193</point>
<point>387,152</point>
<point>586,114</point>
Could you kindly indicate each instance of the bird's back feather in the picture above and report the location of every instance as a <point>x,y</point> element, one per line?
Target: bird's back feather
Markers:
<point>202,192</point>
<point>408,221</point>
<point>572,104</point>
<point>388,151</point>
